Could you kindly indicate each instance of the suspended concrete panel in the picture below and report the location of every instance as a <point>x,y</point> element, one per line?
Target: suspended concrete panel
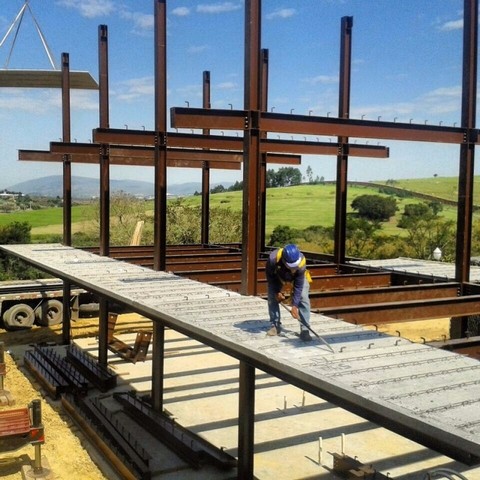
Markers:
<point>45,79</point>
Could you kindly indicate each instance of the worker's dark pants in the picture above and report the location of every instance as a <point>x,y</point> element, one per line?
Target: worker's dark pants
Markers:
<point>303,306</point>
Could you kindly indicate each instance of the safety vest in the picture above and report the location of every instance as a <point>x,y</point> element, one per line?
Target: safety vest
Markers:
<point>303,262</point>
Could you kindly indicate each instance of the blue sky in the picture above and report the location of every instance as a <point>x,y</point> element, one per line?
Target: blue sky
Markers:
<point>406,65</point>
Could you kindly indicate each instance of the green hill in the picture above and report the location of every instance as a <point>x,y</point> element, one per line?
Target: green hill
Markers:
<point>299,206</point>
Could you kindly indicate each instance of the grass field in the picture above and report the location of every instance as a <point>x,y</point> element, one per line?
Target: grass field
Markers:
<point>299,206</point>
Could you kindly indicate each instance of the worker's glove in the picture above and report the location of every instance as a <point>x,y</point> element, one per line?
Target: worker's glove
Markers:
<point>294,312</point>
<point>280,297</point>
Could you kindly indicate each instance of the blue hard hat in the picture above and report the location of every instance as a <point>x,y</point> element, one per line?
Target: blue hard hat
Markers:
<point>291,255</point>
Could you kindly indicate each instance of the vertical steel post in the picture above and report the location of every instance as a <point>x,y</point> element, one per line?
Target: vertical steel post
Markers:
<point>467,149</point>
<point>246,417</point>
<point>158,365</point>
<point>67,165</point>
<point>342,158</point>
<point>103,332</point>
<point>104,185</point>
<point>160,213</point>
<point>262,222</point>
<point>36,422</point>
<point>251,145</point>
<point>67,193</point>
<point>104,149</point>
<point>205,232</point>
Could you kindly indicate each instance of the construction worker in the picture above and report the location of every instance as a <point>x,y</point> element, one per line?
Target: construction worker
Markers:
<point>286,269</point>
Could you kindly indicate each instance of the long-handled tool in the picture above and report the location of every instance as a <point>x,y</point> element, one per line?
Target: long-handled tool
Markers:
<point>302,322</point>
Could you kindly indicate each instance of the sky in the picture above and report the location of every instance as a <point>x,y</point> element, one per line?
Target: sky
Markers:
<point>406,67</point>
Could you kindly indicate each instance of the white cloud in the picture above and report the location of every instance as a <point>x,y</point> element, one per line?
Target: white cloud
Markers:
<point>197,49</point>
<point>218,7</point>
<point>452,25</point>
<point>89,8</point>
<point>181,11</point>
<point>281,13</point>
<point>227,86</point>
<point>322,80</point>
<point>441,102</point>
<point>142,22</point>
<point>135,88</point>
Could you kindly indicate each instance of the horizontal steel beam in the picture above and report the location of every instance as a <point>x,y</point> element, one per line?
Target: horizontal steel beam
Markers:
<point>311,125</point>
<point>135,154</point>
<point>94,159</point>
<point>365,296</point>
<point>185,140</point>
<point>406,311</point>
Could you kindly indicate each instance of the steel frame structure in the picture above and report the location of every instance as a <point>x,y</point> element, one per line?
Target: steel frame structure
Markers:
<point>255,122</point>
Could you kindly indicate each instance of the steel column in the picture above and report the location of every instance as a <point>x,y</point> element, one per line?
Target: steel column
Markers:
<point>67,192</point>
<point>246,418</point>
<point>206,169</point>
<point>158,366</point>
<point>342,158</point>
<point>160,213</point>
<point>103,331</point>
<point>67,166</point>
<point>251,162</point>
<point>467,149</point>
<point>262,222</point>
<point>104,149</point>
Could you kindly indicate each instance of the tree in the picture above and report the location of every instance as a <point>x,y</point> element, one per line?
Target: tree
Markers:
<point>426,234</point>
<point>361,236</point>
<point>13,267</point>
<point>281,235</point>
<point>217,189</point>
<point>285,177</point>
<point>375,207</point>
<point>309,173</point>
<point>413,212</point>
<point>237,186</point>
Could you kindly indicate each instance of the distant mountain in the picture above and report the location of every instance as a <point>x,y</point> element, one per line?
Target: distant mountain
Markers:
<point>85,187</point>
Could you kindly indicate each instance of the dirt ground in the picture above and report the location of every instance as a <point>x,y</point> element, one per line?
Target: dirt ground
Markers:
<point>66,449</point>
<point>68,453</point>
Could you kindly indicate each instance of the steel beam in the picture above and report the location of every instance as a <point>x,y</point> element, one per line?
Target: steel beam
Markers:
<point>406,312</point>
<point>317,125</point>
<point>342,298</point>
<point>221,142</point>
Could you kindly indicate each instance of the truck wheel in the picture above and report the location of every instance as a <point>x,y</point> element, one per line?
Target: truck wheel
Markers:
<point>19,316</point>
<point>49,313</point>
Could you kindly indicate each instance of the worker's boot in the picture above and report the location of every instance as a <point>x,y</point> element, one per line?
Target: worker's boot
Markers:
<point>305,336</point>
<point>275,329</point>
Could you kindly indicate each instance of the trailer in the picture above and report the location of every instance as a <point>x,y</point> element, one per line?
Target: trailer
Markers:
<point>24,303</point>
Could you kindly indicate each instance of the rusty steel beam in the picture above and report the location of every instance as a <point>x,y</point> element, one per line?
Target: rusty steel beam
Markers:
<point>231,280</point>
<point>323,148</point>
<point>327,126</point>
<point>221,142</point>
<point>174,160</point>
<point>464,346</point>
<point>406,312</point>
<point>382,295</point>
<point>144,155</point>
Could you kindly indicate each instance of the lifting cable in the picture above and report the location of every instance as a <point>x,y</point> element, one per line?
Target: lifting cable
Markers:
<point>16,24</point>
